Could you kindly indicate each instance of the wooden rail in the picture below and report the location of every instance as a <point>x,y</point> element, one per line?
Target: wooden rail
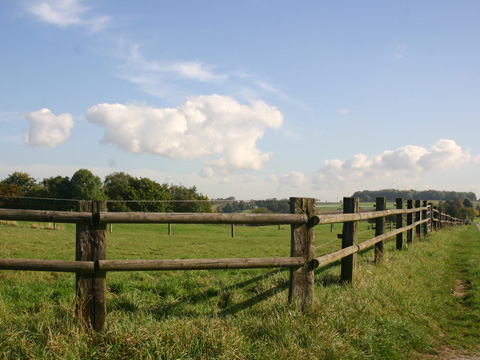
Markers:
<point>91,265</point>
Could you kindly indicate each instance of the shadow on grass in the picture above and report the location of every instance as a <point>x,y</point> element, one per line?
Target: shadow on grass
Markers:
<point>232,310</point>
<point>225,298</point>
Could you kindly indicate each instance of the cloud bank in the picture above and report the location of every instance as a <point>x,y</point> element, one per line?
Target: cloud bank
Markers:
<point>47,129</point>
<point>216,127</point>
<point>407,161</point>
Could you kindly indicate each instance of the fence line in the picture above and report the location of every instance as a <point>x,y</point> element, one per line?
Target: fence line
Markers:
<point>91,265</point>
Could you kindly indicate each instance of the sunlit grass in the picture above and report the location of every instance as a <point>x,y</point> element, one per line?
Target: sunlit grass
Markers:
<point>400,309</point>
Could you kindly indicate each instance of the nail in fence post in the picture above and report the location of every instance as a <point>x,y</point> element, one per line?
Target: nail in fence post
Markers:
<point>302,245</point>
<point>381,204</point>
<point>399,202</point>
<point>418,217</point>
<point>349,238</point>
<point>91,246</point>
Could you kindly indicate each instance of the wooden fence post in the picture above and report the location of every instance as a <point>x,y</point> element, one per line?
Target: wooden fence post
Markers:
<point>399,202</point>
<point>349,238</point>
<point>233,230</point>
<point>409,221</point>
<point>302,245</point>
<point>91,246</point>
<point>381,204</point>
<point>418,217</point>
<point>424,217</point>
<point>169,229</point>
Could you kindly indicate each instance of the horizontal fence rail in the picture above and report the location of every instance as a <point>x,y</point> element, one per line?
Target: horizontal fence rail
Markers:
<point>91,264</point>
<point>84,267</point>
<point>200,264</point>
<point>202,218</point>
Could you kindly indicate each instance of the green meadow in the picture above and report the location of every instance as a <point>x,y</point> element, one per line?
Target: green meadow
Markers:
<point>418,303</point>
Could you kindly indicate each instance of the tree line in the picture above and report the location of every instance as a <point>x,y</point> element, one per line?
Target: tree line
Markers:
<point>230,205</point>
<point>122,191</point>
<point>458,208</point>
<point>392,194</point>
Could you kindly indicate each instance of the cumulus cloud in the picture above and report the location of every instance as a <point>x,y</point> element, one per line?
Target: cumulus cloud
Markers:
<point>216,127</point>
<point>411,160</point>
<point>207,172</point>
<point>47,129</point>
<point>295,179</point>
<point>65,13</point>
<point>445,154</point>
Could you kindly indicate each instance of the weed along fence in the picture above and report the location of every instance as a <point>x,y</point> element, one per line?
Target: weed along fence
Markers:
<point>91,265</point>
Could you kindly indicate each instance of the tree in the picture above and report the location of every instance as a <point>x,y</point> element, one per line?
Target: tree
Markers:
<point>146,189</point>
<point>118,186</point>
<point>86,186</point>
<point>467,203</point>
<point>20,185</point>
<point>59,188</point>
<point>22,181</point>
<point>195,202</point>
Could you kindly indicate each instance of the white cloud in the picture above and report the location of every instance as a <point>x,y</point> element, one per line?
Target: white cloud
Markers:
<point>402,165</point>
<point>66,13</point>
<point>164,78</point>
<point>47,129</point>
<point>445,154</point>
<point>345,111</point>
<point>207,172</point>
<point>295,180</point>
<point>216,127</point>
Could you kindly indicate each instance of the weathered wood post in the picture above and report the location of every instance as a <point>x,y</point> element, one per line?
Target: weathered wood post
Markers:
<point>91,246</point>
<point>418,217</point>
<point>399,218</point>
<point>302,245</point>
<point>169,229</point>
<point>233,230</point>
<point>381,204</point>
<point>425,217</point>
<point>349,238</point>
<point>409,221</point>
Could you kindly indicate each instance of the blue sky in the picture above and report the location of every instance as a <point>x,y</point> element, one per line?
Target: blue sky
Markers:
<point>252,99</point>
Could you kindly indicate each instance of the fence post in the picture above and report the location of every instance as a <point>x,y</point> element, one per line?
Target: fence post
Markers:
<point>349,238</point>
<point>169,229</point>
<point>233,230</point>
<point>424,217</point>
<point>91,246</point>
<point>302,245</point>
<point>381,204</point>
<point>409,221</point>
<point>399,202</point>
<point>418,217</point>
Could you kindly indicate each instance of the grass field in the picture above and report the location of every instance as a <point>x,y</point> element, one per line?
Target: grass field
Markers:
<point>419,302</point>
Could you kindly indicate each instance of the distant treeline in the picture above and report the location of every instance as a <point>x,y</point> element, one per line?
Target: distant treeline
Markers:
<point>392,194</point>
<point>255,206</point>
<point>122,191</point>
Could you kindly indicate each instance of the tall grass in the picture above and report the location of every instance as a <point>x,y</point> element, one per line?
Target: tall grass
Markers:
<point>404,308</point>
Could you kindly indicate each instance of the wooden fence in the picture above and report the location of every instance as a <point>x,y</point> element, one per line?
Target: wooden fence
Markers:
<point>91,266</point>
